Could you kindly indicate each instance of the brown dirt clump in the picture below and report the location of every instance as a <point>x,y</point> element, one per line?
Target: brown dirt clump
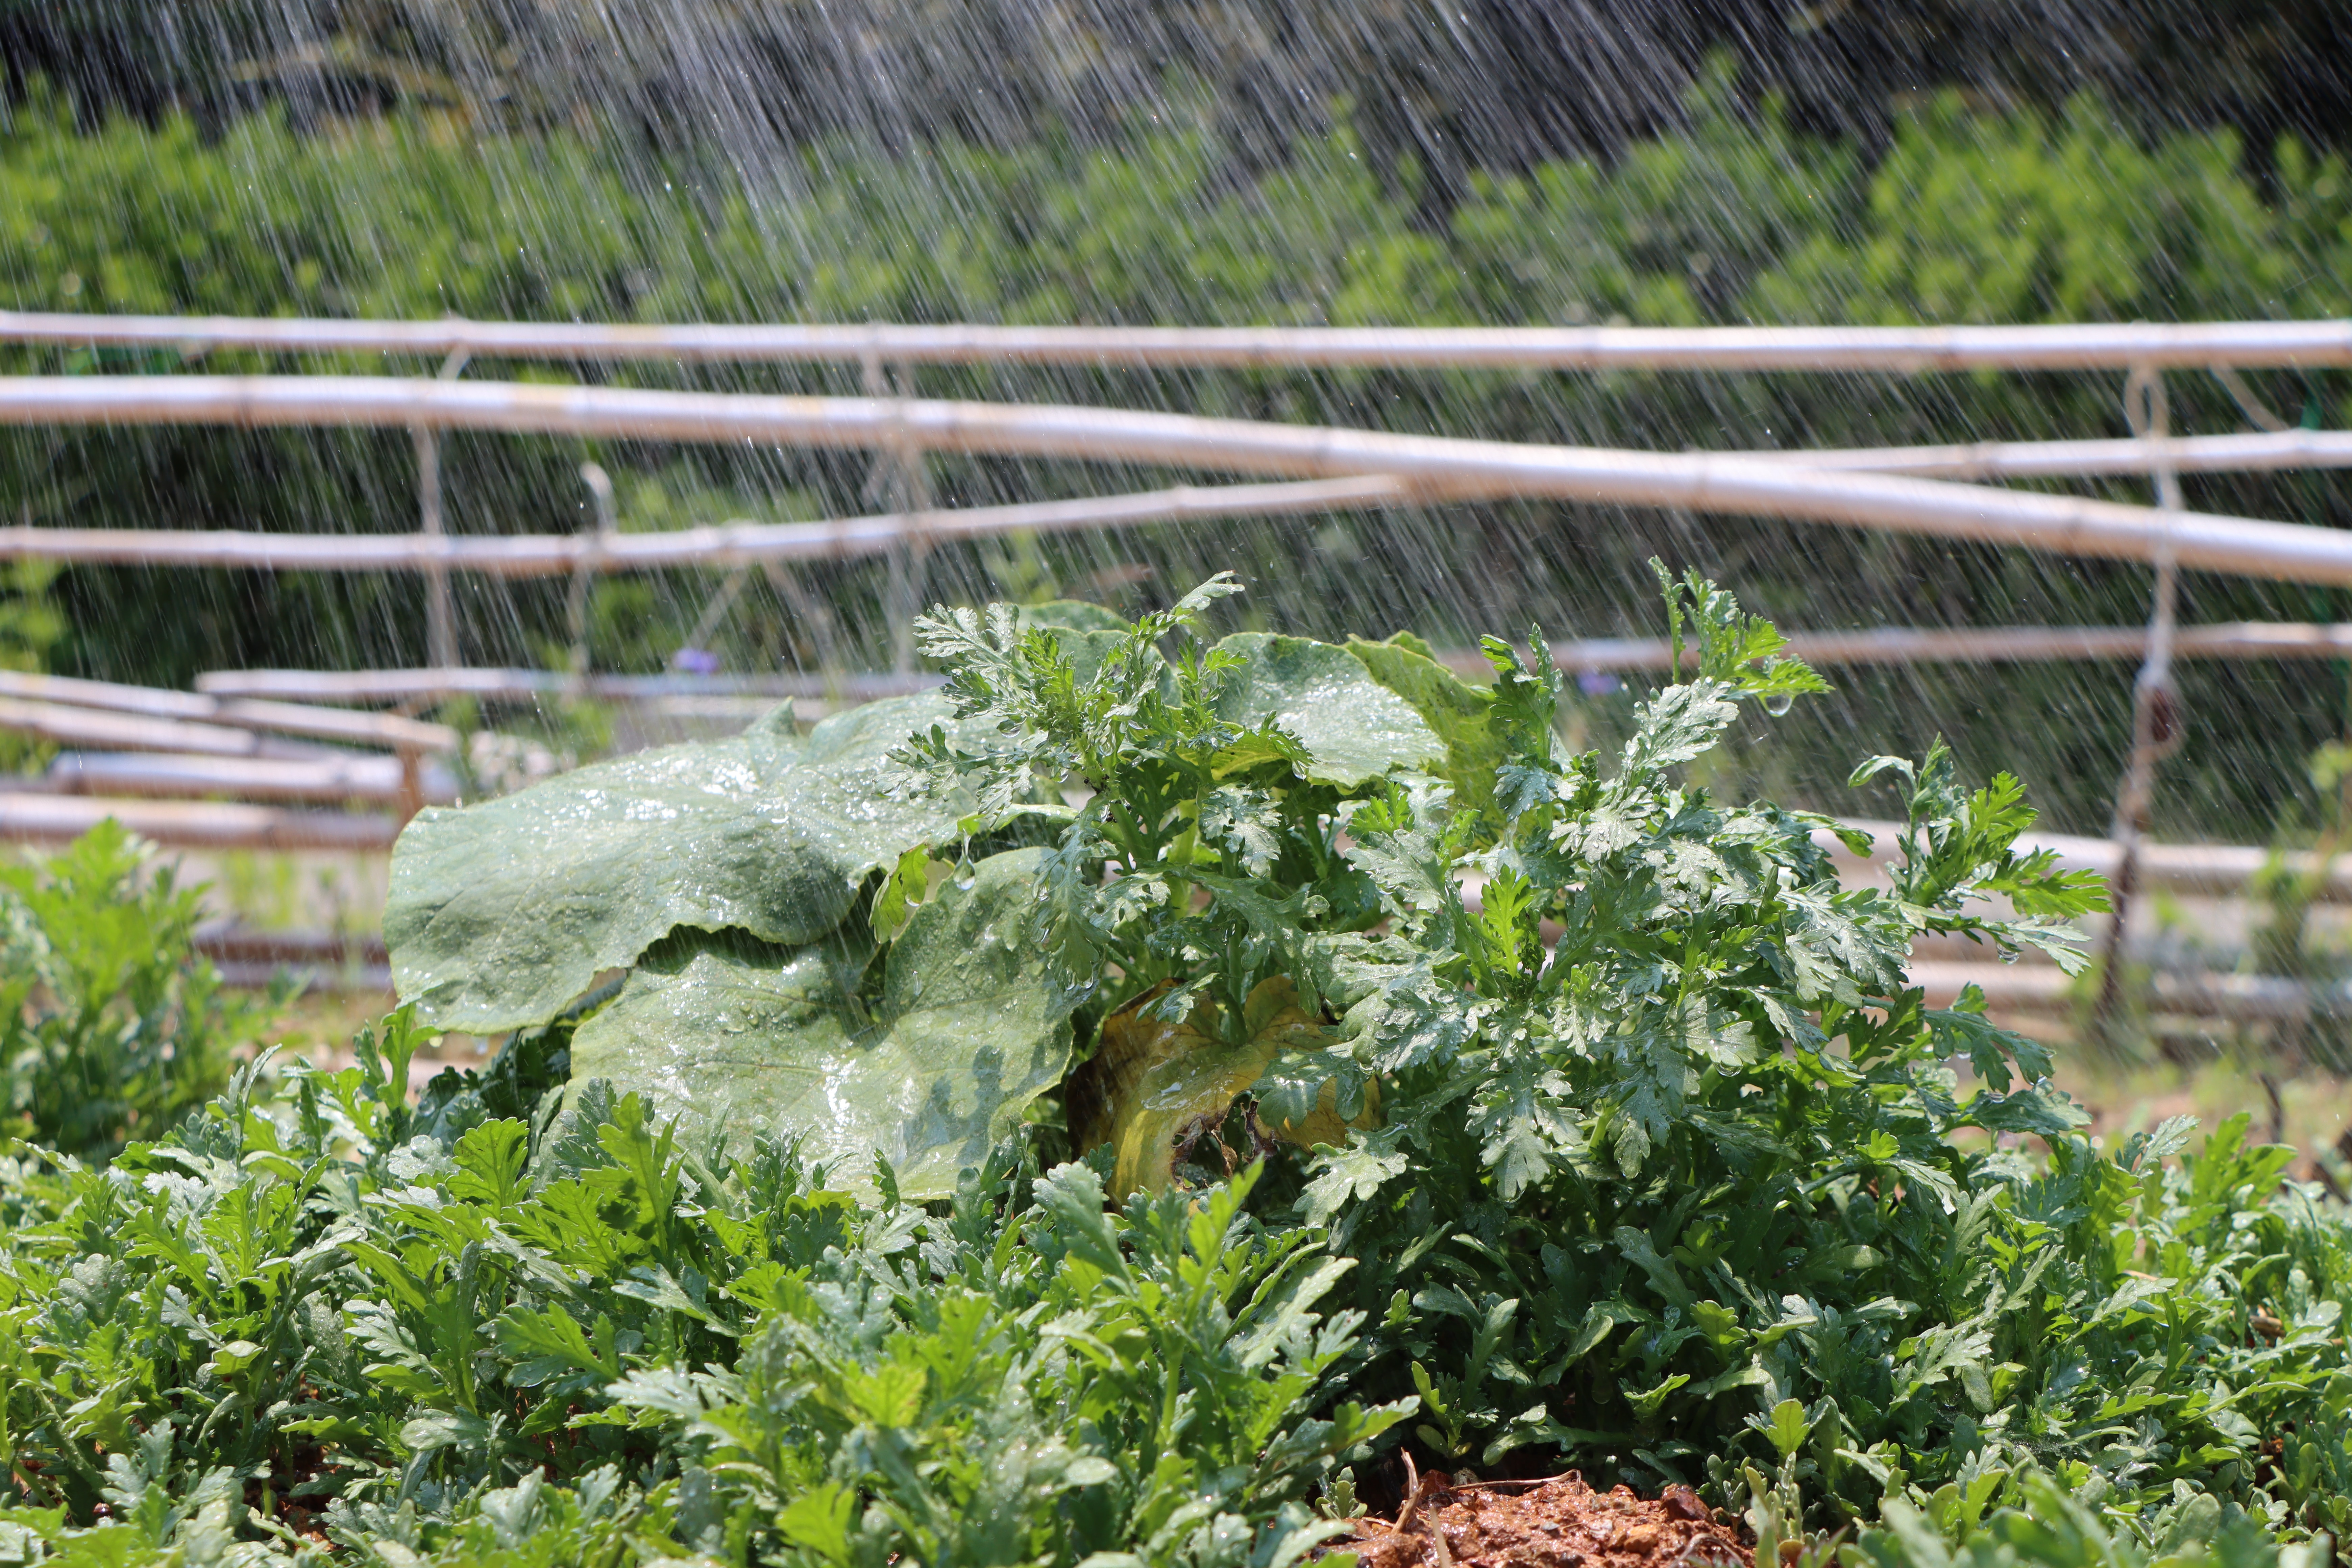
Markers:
<point>1557,1523</point>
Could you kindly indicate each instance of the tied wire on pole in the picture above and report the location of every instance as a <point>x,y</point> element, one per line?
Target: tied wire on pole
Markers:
<point>2155,707</point>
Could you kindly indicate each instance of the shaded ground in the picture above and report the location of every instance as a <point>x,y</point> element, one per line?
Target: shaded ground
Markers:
<point>1559,1522</point>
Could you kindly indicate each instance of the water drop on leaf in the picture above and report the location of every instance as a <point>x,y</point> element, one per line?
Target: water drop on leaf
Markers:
<point>1778,703</point>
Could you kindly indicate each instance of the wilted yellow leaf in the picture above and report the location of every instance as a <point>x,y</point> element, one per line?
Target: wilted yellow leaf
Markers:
<point>1151,1083</point>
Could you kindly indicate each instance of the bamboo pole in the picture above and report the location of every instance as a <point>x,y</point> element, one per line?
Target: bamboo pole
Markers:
<point>384,781</point>
<point>2258,452</point>
<point>386,685</point>
<point>330,961</point>
<point>2156,716</point>
<point>726,545</point>
<point>28,817</point>
<point>2041,988</point>
<point>228,937</point>
<point>1447,466</point>
<point>1901,350</point>
<point>744,544</point>
<point>1965,645</point>
<point>386,729</point>
<point>244,975</point>
<point>440,613</point>
<point>68,726</point>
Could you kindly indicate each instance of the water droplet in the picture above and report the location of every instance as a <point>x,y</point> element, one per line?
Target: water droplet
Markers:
<point>1779,703</point>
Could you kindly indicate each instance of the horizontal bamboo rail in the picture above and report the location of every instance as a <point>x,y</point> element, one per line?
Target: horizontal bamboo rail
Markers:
<point>216,745</point>
<point>251,975</point>
<point>379,780</point>
<point>1972,645</point>
<point>2252,452</point>
<point>1902,350</point>
<point>384,730</point>
<point>1886,644</point>
<point>27,817</point>
<point>1448,466</point>
<point>723,544</point>
<point>68,726</point>
<point>228,937</point>
<point>326,961</point>
<point>388,686</point>
<point>748,543</point>
<point>2195,993</point>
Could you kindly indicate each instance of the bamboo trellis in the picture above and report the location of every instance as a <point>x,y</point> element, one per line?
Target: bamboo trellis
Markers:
<point>175,744</point>
<point>739,544</point>
<point>1293,470</point>
<point>1409,471</point>
<point>1900,350</point>
<point>1885,645</point>
<point>1444,467</point>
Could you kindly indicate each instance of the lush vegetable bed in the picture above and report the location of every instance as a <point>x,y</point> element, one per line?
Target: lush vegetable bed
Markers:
<point>1120,1106</point>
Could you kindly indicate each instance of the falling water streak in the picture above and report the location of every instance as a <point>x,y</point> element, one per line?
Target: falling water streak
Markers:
<point>779,106</point>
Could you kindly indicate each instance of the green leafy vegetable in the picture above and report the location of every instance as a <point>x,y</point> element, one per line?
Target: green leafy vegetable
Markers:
<point>967,1029</point>
<point>1205,860</point>
<point>1451,707</point>
<point>1632,1143</point>
<point>112,1026</point>
<point>1160,1086</point>
<point>1351,727</point>
<point>333,1319</point>
<point>502,914</point>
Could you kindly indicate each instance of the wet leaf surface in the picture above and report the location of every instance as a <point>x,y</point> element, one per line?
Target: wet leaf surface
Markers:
<point>501,914</point>
<point>967,1031</point>
<point>1453,708</point>
<point>1352,727</point>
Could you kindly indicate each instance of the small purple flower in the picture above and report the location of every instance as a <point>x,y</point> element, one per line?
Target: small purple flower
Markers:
<point>695,661</point>
<point>1596,683</point>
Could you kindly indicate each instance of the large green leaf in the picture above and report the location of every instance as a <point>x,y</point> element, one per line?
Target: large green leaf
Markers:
<point>1353,728</point>
<point>969,1029</point>
<point>1455,709</point>
<point>501,914</point>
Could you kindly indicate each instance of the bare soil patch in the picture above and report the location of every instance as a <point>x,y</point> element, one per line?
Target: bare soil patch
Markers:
<point>1559,1522</point>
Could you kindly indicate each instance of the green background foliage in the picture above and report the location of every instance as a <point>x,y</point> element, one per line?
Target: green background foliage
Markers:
<point>112,1027</point>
